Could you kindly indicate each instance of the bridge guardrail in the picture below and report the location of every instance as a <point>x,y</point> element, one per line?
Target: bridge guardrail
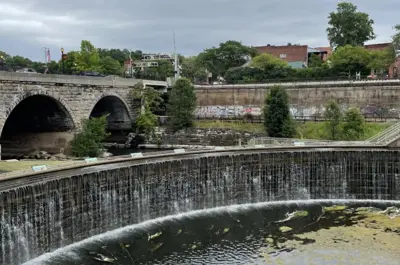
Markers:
<point>75,79</point>
<point>273,141</point>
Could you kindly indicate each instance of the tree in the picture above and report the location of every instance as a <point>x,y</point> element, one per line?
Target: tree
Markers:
<point>191,69</point>
<point>354,124</point>
<point>315,61</point>
<point>277,119</point>
<point>228,55</point>
<point>396,39</point>
<point>110,66</point>
<point>380,60</point>
<point>267,62</point>
<point>350,59</point>
<point>88,142</point>
<point>182,103</point>
<point>347,26</point>
<point>87,59</point>
<point>150,99</point>
<point>333,115</point>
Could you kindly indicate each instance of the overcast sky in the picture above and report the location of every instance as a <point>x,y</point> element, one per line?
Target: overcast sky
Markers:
<point>28,25</point>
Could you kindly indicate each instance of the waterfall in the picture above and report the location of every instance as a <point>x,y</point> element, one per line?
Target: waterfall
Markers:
<point>54,212</point>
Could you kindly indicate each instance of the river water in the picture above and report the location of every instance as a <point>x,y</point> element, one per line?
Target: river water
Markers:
<point>298,233</point>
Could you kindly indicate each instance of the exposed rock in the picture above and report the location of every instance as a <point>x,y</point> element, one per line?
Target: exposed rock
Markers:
<point>210,136</point>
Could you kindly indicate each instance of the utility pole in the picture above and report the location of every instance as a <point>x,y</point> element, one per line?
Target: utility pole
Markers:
<point>176,59</point>
<point>46,54</point>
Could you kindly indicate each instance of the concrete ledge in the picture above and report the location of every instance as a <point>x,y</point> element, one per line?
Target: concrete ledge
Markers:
<point>83,164</point>
<point>76,80</point>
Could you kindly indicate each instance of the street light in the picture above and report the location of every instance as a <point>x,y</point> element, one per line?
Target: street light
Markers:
<point>62,59</point>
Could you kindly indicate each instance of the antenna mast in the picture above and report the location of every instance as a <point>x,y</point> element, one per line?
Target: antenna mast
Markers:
<point>176,59</point>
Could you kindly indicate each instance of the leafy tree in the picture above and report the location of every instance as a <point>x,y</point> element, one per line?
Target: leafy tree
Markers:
<point>380,60</point>
<point>354,124</point>
<point>396,39</point>
<point>150,99</point>
<point>182,103</point>
<point>347,26</point>
<point>192,70</point>
<point>110,66</point>
<point>277,119</point>
<point>87,59</point>
<point>350,59</point>
<point>88,142</point>
<point>333,115</point>
<point>315,61</point>
<point>229,54</point>
<point>267,62</point>
<point>70,63</point>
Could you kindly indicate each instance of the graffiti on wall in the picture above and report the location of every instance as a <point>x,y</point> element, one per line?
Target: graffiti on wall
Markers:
<point>226,111</point>
<point>220,111</point>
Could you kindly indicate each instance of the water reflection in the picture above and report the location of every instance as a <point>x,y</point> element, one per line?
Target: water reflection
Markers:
<point>294,233</point>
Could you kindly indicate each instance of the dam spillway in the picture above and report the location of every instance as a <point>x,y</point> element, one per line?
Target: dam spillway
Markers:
<point>49,211</point>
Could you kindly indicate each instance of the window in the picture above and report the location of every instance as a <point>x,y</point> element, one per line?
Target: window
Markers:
<point>282,56</point>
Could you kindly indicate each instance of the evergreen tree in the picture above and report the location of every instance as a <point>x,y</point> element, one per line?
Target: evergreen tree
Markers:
<point>333,116</point>
<point>277,119</point>
<point>182,103</point>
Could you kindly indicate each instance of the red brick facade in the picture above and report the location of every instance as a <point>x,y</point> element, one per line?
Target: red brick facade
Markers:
<point>288,53</point>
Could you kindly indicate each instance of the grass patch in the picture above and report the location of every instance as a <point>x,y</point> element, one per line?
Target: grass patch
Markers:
<point>307,130</point>
<point>27,164</point>
<point>236,126</point>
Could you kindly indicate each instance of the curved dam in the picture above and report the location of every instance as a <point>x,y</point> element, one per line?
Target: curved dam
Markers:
<point>44,212</point>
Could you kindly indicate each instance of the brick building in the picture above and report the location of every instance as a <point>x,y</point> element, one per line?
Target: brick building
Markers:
<point>297,56</point>
<point>394,69</point>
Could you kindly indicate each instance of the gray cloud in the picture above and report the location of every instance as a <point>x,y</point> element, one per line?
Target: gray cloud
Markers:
<point>27,26</point>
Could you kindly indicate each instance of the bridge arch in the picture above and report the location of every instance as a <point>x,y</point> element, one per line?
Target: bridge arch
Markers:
<point>34,120</point>
<point>120,116</point>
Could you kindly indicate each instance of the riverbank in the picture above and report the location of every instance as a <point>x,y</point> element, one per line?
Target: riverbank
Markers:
<point>306,130</point>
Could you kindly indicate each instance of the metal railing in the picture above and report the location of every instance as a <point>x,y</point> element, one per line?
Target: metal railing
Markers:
<point>273,141</point>
<point>315,118</point>
<point>387,136</point>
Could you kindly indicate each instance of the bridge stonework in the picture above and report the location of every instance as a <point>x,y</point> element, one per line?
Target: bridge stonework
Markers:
<point>78,101</point>
<point>76,96</point>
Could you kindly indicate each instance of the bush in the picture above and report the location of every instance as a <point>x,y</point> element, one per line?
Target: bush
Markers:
<point>88,142</point>
<point>277,119</point>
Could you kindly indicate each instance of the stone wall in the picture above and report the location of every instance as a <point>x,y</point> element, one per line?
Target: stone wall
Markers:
<point>207,137</point>
<point>57,209</point>
<point>373,100</point>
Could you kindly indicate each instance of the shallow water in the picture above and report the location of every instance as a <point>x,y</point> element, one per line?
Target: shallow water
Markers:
<point>272,233</point>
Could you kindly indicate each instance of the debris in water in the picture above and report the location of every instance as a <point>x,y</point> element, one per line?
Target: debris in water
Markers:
<point>101,257</point>
<point>285,229</point>
<point>156,247</point>
<point>151,237</point>
<point>226,230</point>
<point>296,214</point>
<point>335,208</point>
<point>179,232</point>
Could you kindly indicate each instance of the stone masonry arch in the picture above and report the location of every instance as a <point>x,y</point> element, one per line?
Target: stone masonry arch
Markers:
<point>110,94</point>
<point>17,99</point>
<point>120,116</point>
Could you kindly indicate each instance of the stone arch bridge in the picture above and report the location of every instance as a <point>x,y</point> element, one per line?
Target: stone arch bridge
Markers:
<point>41,112</point>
